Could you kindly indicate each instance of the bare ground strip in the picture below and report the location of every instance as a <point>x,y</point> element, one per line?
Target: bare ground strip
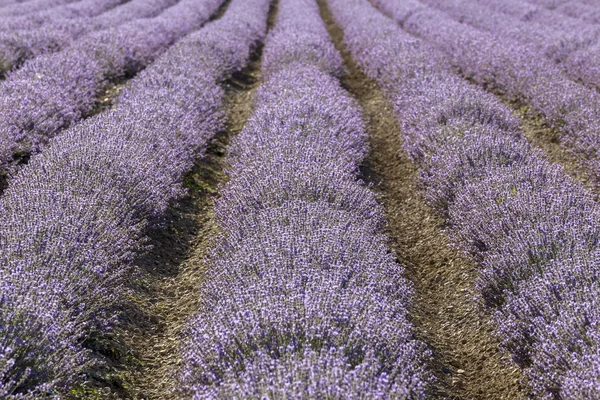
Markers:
<point>467,360</point>
<point>176,266</point>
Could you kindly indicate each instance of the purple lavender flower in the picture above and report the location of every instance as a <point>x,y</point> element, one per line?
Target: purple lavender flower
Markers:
<point>74,218</point>
<point>302,298</point>
<point>531,228</point>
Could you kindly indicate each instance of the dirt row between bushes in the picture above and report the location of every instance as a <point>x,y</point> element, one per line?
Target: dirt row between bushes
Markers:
<point>174,269</point>
<point>466,358</point>
<point>542,136</point>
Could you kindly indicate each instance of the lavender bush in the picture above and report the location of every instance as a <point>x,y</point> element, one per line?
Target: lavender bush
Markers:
<point>47,32</point>
<point>65,13</point>
<point>73,219</point>
<point>53,91</point>
<point>532,229</point>
<point>50,30</point>
<point>582,11</point>
<point>16,8</point>
<point>571,44</point>
<point>513,69</point>
<point>303,298</point>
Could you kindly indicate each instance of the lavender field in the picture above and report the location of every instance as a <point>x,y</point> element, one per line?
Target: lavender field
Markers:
<point>300,199</point>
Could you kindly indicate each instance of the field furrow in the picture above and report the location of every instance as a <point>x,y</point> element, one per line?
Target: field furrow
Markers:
<point>302,297</point>
<point>532,229</point>
<point>77,215</point>
<point>175,263</point>
<point>466,357</point>
<point>299,199</point>
<point>512,70</point>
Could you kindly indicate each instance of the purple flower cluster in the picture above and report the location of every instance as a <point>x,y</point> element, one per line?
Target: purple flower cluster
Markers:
<point>571,44</point>
<point>52,30</point>
<point>582,11</point>
<point>18,8</point>
<point>550,4</point>
<point>515,70</point>
<point>64,13</point>
<point>133,9</point>
<point>533,230</point>
<point>73,219</point>
<point>53,91</point>
<point>30,35</point>
<point>303,298</point>
<point>559,38</point>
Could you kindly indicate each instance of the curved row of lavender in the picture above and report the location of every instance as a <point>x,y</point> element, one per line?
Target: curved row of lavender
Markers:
<point>5,3</point>
<point>50,31</point>
<point>556,4</point>
<point>578,52</point>
<point>514,70</point>
<point>66,12</point>
<point>570,44</point>
<point>53,91</point>
<point>585,12</point>
<point>534,231</point>
<point>562,16</point>
<point>75,216</point>
<point>303,298</point>
<point>31,6</point>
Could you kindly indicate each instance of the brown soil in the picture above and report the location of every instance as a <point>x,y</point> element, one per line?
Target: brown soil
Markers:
<point>174,270</point>
<point>105,99</point>
<point>539,134</point>
<point>174,296</point>
<point>467,360</point>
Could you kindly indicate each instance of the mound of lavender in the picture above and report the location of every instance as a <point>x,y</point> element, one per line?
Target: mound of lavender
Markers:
<point>66,13</point>
<point>532,229</point>
<point>47,32</point>
<point>18,8</point>
<point>585,12</point>
<point>303,298</point>
<point>53,91</point>
<point>74,218</point>
<point>571,44</point>
<point>514,70</point>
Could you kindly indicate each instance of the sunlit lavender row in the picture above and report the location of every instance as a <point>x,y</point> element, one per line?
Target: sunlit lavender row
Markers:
<point>73,219</point>
<point>513,69</point>
<point>580,10</point>
<point>302,299</point>
<point>31,35</point>
<point>558,5</point>
<point>15,8</point>
<point>64,13</point>
<point>533,231</point>
<point>53,91</point>
<point>567,42</point>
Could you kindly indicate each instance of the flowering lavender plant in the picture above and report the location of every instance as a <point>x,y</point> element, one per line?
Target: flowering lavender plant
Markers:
<point>303,298</point>
<point>532,229</point>
<point>53,91</point>
<point>74,218</point>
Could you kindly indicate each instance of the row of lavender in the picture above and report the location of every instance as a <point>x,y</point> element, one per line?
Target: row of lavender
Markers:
<point>73,219</point>
<point>568,6</point>
<point>54,91</point>
<point>65,12</point>
<point>303,299</point>
<point>586,12</point>
<point>571,44</point>
<point>34,34</point>
<point>15,8</point>
<point>532,229</point>
<point>513,69</point>
<point>529,10</point>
